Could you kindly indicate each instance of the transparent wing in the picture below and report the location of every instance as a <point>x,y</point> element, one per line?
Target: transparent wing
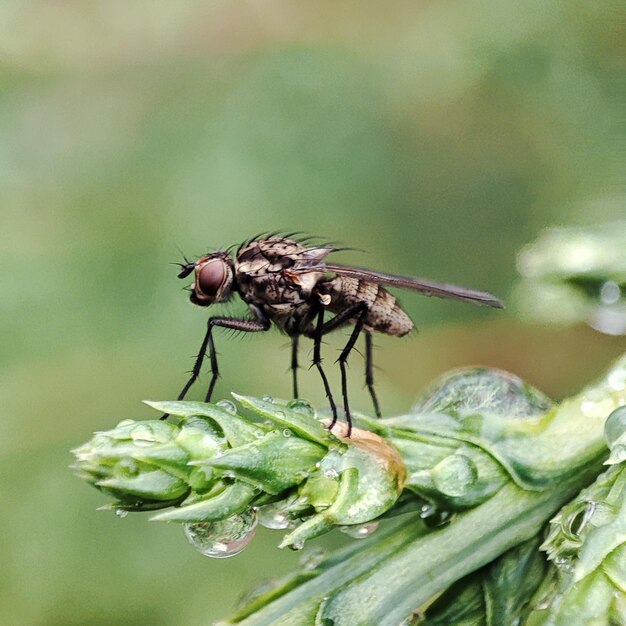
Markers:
<point>421,285</point>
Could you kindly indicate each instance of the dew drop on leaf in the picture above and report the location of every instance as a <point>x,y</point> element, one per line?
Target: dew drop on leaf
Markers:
<point>224,538</point>
<point>301,406</point>
<point>454,475</point>
<point>142,435</point>
<point>228,406</point>
<point>268,399</point>
<point>476,391</point>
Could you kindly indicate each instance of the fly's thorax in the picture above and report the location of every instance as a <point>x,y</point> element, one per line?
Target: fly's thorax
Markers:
<point>271,271</point>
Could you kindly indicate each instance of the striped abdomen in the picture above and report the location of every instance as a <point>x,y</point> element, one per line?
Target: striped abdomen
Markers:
<point>384,313</point>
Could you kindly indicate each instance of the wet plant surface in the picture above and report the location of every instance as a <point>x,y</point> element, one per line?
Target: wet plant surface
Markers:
<point>452,497</point>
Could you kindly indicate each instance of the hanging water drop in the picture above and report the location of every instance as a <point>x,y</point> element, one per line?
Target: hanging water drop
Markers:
<point>434,517</point>
<point>228,406</point>
<point>121,513</point>
<point>360,531</point>
<point>223,539</point>
<point>297,546</point>
<point>273,516</point>
<point>268,399</point>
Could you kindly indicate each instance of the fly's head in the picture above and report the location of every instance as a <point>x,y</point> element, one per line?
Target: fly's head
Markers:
<point>213,278</point>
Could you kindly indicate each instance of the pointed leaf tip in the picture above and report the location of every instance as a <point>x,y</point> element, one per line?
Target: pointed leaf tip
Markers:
<point>302,425</point>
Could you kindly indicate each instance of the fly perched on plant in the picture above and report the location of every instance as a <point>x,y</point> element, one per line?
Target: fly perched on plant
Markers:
<point>286,281</point>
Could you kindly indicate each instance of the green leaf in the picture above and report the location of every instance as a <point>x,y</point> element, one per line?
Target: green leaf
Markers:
<point>300,423</point>
<point>273,463</point>
<point>233,499</point>
<point>236,429</point>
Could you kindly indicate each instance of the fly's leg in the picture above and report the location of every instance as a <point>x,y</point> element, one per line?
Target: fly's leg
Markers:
<point>343,358</point>
<point>355,312</point>
<point>294,364</point>
<point>317,361</point>
<point>369,371</point>
<point>261,323</point>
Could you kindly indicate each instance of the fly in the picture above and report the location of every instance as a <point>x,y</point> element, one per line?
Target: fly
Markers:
<point>287,282</point>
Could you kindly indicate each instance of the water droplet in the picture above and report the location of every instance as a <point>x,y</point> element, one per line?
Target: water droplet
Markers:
<point>259,434</point>
<point>228,406</point>
<point>610,292</point>
<point>225,538</point>
<point>287,433</point>
<point>477,391</point>
<point>301,406</point>
<point>230,474</point>
<point>615,426</point>
<point>268,399</point>
<point>297,546</point>
<point>331,473</point>
<point>454,475</point>
<point>143,436</point>
<point>434,517</point>
<point>360,531</point>
<point>318,465</point>
<point>273,516</point>
<point>312,558</point>
<point>121,513</point>
<point>280,414</point>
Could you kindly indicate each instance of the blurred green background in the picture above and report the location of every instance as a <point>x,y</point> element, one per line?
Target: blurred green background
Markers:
<point>436,136</point>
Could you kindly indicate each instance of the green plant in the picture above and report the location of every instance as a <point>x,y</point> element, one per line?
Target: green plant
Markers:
<point>464,486</point>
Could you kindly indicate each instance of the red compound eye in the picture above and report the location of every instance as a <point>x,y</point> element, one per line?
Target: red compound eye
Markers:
<point>211,277</point>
